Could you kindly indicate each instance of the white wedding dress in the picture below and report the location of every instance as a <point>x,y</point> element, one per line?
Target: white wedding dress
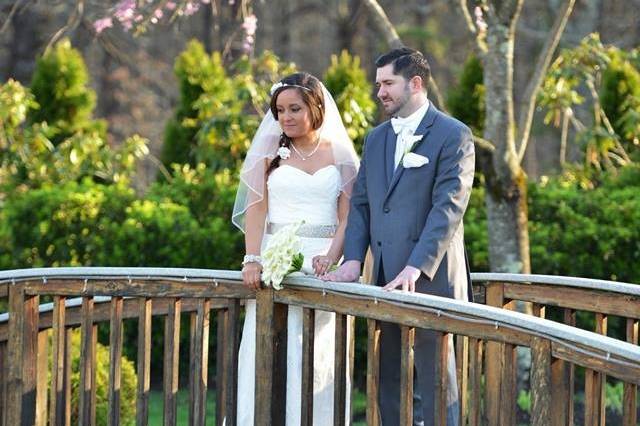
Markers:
<point>294,195</point>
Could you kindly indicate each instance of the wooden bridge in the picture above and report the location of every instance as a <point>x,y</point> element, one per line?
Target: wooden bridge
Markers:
<point>32,391</point>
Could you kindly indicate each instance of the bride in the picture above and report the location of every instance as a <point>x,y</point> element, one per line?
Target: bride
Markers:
<point>300,167</point>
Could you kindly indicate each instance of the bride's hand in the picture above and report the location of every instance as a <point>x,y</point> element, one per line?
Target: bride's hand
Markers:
<point>251,275</point>
<point>321,264</point>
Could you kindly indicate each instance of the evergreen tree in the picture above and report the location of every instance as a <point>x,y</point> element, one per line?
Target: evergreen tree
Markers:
<point>466,99</point>
<point>348,84</point>
<point>193,69</point>
<point>60,85</point>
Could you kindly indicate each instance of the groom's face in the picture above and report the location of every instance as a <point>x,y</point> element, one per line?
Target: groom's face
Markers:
<point>393,90</point>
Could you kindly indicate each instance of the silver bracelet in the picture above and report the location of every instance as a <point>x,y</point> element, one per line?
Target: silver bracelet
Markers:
<point>249,258</point>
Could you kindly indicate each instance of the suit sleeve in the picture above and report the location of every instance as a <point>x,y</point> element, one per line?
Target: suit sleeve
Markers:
<point>357,233</point>
<point>451,192</point>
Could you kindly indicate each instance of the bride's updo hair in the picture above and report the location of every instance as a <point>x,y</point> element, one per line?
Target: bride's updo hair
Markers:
<point>310,91</point>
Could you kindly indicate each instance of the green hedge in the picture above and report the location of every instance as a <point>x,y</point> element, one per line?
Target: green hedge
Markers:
<point>89,224</point>
<point>590,233</point>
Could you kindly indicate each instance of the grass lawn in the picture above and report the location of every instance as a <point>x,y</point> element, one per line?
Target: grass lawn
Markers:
<point>156,404</point>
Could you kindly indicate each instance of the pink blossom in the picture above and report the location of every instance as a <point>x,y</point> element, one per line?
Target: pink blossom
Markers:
<point>480,22</point>
<point>102,24</point>
<point>250,24</point>
<point>190,8</point>
<point>170,5</point>
<point>125,10</point>
<point>158,13</point>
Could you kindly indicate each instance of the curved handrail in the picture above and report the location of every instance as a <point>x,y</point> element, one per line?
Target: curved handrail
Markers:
<point>611,348</point>
<point>585,283</point>
<point>502,329</point>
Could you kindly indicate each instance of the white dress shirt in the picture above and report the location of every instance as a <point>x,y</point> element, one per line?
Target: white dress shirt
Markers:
<point>405,127</point>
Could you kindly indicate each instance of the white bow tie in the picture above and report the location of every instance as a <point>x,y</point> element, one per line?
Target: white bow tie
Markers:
<point>400,124</point>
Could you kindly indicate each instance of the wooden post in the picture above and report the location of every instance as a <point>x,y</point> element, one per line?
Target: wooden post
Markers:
<point>462,374</point>
<point>475,380</point>
<point>115,361</point>
<point>41,378</point>
<point>351,364</point>
<point>144,361</point>
<point>67,378</point>
<point>629,404</point>
<point>508,374</point>
<point>271,360</point>
<point>442,357</point>
<point>232,343</point>
<point>594,401</point>
<point>22,349</point>
<point>562,385</point>
<point>3,381</point>
<point>221,371</point>
<point>227,363</point>
<point>373,371</point>
<point>308,336</point>
<point>340,371</point>
<point>407,338</point>
<point>198,363</point>
<point>87,364</point>
<point>57,400</point>
<point>493,361</point>
<point>540,382</point>
<point>171,360</point>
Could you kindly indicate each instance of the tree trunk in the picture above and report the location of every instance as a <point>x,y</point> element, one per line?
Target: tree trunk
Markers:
<point>506,191</point>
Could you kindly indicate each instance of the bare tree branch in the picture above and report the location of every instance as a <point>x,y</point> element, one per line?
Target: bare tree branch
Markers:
<point>73,21</point>
<point>437,93</point>
<point>483,143</point>
<point>12,12</point>
<point>528,100</point>
<point>384,24</point>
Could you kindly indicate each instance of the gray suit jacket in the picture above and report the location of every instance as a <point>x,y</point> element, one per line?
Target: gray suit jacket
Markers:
<point>413,216</point>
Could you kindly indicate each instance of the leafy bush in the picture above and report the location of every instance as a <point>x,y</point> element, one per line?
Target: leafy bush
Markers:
<point>620,96</point>
<point>610,77</point>
<point>591,233</point>
<point>128,383</point>
<point>57,150</point>
<point>60,85</point>
<point>218,111</point>
<point>465,100</point>
<point>348,84</point>
<point>85,224</point>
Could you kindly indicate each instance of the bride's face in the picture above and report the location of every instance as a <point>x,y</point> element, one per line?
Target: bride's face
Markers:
<point>293,114</point>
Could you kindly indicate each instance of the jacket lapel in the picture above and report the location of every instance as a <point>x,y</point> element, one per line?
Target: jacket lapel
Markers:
<point>389,152</point>
<point>423,129</point>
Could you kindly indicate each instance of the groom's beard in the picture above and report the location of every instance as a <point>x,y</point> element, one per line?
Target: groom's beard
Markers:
<point>396,106</point>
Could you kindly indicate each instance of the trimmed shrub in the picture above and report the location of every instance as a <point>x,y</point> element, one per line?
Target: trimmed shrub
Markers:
<point>348,84</point>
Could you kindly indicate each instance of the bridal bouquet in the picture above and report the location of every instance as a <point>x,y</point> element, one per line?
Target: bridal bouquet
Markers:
<point>282,256</point>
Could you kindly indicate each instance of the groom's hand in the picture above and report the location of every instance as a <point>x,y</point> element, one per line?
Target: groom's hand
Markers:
<point>406,279</point>
<point>347,272</point>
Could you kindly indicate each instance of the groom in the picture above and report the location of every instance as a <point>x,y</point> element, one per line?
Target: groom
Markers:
<point>407,204</point>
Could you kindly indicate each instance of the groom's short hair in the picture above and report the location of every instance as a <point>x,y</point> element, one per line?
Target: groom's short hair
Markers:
<point>408,63</point>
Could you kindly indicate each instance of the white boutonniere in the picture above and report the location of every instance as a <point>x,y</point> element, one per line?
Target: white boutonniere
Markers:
<point>411,159</point>
<point>411,141</point>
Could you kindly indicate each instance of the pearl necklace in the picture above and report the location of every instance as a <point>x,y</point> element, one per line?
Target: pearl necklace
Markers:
<point>305,157</point>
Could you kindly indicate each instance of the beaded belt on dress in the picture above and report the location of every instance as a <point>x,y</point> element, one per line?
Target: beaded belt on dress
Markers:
<point>307,230</point>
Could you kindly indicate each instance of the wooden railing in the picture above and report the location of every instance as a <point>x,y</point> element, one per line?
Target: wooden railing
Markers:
<point>144,292</point>
<point>567,295</point>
